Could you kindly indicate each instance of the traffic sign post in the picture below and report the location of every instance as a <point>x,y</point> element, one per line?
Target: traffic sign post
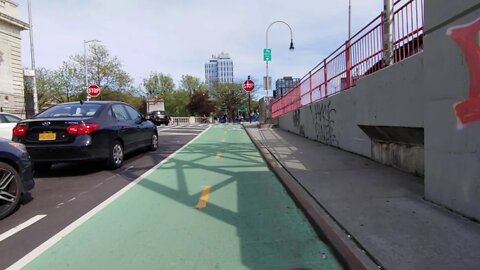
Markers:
<point>248,86</point>
<point>267,55</point>
<point>93,90</point>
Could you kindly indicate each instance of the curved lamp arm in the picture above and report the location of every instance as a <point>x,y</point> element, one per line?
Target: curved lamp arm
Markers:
<point>291,34</point>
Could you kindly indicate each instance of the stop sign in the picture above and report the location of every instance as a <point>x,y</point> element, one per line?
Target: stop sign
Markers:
<point>248,85</point>
<point>93,90</point>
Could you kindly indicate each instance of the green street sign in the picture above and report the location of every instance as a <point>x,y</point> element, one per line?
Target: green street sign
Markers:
<point>243,108</point>
<point>267,54</point>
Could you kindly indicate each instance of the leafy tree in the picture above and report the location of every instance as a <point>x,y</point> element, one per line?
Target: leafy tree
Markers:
<point>159,84</point>
<point>229,96</point>
<point>176,103</point>
<point>103,69</point>
<point>67,83</point>
<point>200,105</point>
<point>49,88</point>
<point>191,84</point>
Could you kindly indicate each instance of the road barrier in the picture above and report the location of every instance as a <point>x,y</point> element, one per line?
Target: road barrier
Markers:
<point>190,120</point>
<point>359,56</point>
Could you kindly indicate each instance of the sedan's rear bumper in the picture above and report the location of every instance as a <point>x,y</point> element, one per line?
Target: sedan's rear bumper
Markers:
<point>80,150</point>
<point>66,153</point>
<point>158,121</point>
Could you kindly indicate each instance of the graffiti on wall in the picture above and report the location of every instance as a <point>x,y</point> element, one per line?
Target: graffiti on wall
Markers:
<point>467,37</point>
<point>323,115</point>
<point>297,122</point>
<point>296,118</point>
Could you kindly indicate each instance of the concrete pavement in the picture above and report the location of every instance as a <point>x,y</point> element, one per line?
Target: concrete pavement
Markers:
<point>374,215</point>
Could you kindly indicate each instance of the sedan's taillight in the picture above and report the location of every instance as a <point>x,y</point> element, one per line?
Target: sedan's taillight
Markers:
<point>82,128</point>
<point>19,130</point>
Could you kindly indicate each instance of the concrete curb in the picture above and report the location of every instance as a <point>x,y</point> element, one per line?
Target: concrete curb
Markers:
<point>350,254</point>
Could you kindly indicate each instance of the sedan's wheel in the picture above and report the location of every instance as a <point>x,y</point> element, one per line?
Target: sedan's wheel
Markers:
<point>154,142</point>
<point>10,189</point>
<point>115,158</point>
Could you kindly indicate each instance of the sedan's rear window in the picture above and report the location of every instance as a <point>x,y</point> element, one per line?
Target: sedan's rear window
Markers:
<point>70,110</point>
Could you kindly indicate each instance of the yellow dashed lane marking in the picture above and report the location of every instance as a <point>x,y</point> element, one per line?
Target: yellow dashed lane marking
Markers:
<point>202,202</point>
<point>218,155</point>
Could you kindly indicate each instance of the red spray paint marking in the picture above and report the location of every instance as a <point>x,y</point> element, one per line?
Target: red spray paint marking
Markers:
<point>468,38</point>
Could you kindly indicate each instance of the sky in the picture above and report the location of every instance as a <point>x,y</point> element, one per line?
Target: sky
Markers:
<point>177,37</point>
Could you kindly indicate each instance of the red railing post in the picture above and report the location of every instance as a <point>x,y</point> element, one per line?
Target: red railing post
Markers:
<point>325,76</point>
<point>310,78</point>
<point>348,64</point>
<point>382,63</point>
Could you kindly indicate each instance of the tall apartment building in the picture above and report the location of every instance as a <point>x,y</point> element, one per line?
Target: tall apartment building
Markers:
<point>11,71</point>
<point>219,69</point>
<point>283,85</point>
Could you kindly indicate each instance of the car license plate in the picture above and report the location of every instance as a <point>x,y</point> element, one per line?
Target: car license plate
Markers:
<point>47,136</point>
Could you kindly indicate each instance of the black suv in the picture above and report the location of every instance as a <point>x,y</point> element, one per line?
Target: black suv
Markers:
<point>16,175</point>
<point>159,117</point>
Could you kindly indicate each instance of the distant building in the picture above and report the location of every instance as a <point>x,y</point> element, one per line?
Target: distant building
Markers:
<point>11,71</point>
<point>283,85</point>
<point>219,69</point>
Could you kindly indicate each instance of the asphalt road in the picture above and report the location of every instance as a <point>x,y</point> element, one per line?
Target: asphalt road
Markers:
<point>67,191</point>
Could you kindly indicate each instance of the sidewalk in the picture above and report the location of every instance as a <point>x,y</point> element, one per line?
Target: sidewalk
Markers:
<point>376,211</point>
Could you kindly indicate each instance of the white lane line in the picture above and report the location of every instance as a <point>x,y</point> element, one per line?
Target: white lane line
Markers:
<point>57,237</point>
<point>20,227</point>
<point>163,129</point>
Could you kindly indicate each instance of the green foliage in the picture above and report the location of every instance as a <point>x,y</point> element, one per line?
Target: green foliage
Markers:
<point>67,83</point>
<point>200,105</point>
<point>191,84</point>
<point>176,103</point>
<point>159,84</point>
<point>51,88</point>
<point>229,96</point>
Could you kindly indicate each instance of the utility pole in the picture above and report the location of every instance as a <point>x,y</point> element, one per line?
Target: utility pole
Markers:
<point>388,32</point>
<point>249,110</point>
<point>349,19</point>
<point>32,57</point>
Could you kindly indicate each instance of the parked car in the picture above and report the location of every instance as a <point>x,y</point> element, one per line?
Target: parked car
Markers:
<point>7,123</point>
<point>85,131</point>
<point>159,117</point>
<point>16,175</point>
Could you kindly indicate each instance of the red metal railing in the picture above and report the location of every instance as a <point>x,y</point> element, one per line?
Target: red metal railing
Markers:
<point>358,57</point>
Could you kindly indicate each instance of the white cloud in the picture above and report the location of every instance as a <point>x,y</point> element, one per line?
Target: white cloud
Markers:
<point>178,37</point>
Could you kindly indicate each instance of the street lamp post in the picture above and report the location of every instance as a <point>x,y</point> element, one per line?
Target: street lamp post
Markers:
<point>32,57</point>
<point>349,19</point>
<point>85,61</point>
<point>267,83</point>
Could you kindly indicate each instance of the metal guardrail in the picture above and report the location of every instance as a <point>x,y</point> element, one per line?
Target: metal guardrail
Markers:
<point>359,56</point>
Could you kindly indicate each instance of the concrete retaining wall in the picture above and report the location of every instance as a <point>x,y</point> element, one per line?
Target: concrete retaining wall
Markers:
<point>378,100</point>
<point>452,146</point>
<point>436,92</point>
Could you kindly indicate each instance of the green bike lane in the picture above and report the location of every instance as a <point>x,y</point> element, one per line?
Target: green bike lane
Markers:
<point>213,205</point>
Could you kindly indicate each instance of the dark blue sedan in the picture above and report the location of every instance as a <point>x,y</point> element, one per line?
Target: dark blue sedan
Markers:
<point>85,131</point>
<point>16,175</point>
